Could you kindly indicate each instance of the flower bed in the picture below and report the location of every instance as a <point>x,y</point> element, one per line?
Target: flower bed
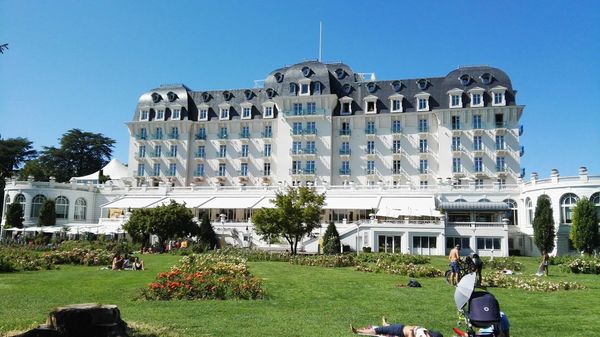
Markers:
<point>410,269</point>
<point>393,258</point>
<point>20,259</point>
<point>207,276</point>
<point>331,261</point>
<point>501,263</point>
<point>585,265</point>
<point>80,256</point>
<point>500,280</point>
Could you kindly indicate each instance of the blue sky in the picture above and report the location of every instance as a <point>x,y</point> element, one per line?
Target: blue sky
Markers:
<point>84,64</point>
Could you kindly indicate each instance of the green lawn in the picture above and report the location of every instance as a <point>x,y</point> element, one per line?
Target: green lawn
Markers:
<point>302,301</point>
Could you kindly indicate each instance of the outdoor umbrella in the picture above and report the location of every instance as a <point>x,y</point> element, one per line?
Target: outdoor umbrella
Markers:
<point>464,289</point>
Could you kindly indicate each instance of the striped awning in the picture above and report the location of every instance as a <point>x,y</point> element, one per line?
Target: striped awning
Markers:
<point>474,206</point>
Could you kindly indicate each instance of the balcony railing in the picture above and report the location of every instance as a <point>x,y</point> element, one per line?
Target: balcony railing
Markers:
<point>267,134</point>
<point>457,148</point>
<point>396,130</point>
<point>223,135</point>
<point>173,135</point>
<point>221,154</point>
<point>345,172</point>
<point>309,150</point>
<point>198,173</point>
<point>141,136</point>
<point>200,154</point>
<point>309,131</point>
<point>500,168</point>
<point>423,129</point>
<point>200,136</point>
<point>303,112</point>
<point>297,132</point>
<point>370,131</point>
<point>154,155</point>
<point>242,173</point>
<point>345,132</point>
<point>157,136</point>
<point>345,152</point>
<point>140,154</point>
<point>244,134</point>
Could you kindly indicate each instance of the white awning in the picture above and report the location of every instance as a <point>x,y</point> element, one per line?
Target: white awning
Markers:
<point>230,202</point>
<point>190,202</point>
<point>407,206</point>
<point>350,203</point>
<point>132,202</point>
<point>264,203</point>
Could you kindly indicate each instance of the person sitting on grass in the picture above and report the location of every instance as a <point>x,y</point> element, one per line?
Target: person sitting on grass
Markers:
<point>137,264</point>
<point>117,262</point>
<point>399,330</point>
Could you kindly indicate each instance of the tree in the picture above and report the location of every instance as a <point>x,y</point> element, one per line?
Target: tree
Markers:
<point>167,222</point>
<point>13,152</point>
<point>47,215</point>
<point>3,47</point>
<point>331,240</point>
<point>35,169</point>
<point>584,229</point>
<point>80,153</point>
<point>543,225</point>
<point>14,215</point>
<point>207,235</point>
<point>297,212</point>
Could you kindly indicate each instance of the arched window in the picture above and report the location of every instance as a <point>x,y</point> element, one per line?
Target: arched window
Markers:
<point>62,207</point>
<point>595,199</point>
<point>512,214</point>
<point>484,200</point>
<point>6,203</point>
<point>529,205</point>
<point>36,205</point>
<point>20,199</point>
<point>460,200</point>
<point>567,202</point>
<point>80,209</point>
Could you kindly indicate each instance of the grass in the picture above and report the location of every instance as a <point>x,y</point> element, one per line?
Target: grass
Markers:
<point>302,301</point>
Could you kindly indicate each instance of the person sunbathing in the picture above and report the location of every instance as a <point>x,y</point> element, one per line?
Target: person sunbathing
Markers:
<point>399,330</point>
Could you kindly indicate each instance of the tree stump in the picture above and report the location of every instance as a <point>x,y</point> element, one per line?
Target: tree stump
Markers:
<point>82,320</point>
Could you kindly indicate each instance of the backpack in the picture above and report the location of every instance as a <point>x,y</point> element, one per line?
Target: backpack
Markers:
<point>484,309</point>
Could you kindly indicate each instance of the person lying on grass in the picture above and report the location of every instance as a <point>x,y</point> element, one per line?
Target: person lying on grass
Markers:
<point>398,330</point>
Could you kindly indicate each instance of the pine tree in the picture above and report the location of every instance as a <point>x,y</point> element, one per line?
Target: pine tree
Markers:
<point>543,225</point>
<point>14,215</point>
<point>208,237</point>
<point>47,215</point>
<point>331,240</point>
<point>584,229</point>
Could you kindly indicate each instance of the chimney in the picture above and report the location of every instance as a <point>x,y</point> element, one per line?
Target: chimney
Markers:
<point>534,177</point>
<point>554,175</point>
<point>583,174</point>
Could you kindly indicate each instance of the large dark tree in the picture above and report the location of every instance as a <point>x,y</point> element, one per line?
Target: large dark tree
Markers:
<point>35,169</point>
<point>331,240</point>
<point>14,215</point>
<point>207,236</point>
<point>47,216</point>
<point>295,215</point>
<point>13,152</point>
<point>543,225</point>
<point>167,222</point>
<point>80,153</point>
<point>584,229</point>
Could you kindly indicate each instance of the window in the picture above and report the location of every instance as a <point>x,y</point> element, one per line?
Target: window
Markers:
<point>176,114</point>
<point>475,99</point>
<point>311,128</point>
<point>267,150</point>
<point>267,131</point>
<point>244,152</point>
<point>478,164</point>
<point>317,88</point>
<point>396,146</point>
<point>172,169</point>
<point>389,243</point>
<point>476,121</point>
<point>345,168</point>
<point>6,203</point>
<point>498,98</point>
<point>423,125</point>
<point>203,114</point>
<point>223,134</point>
<point>396,167</point>
<point>422,104</point>
<point>143,134</point>
<point>488,243</point>
<point>173,152</point>
<point>423,145</point>
<point>370,167</point>
<point>296,147</point>
<point>199,170</point>
<point>422,244</point>
<point>266,169</point>
<point>158,134</point>
<point>456,144</point>
<point>345,148</point>
<point>305,89</point>
<point>478,184</point>
<point>346,108</point>
<point>530,211</point>
<point>370,130</point>
<point>224,113</point>
<point>140,170</point>
<point>157,151</point>
<point>201,153</point>
<point>297,128</point>
<point>370,147</point>
<point>455,101</point>
<point>456,165</point>
<point>222,151</point>
<point>310,167</point>
<point>142,151</point>
<point>464,242</point>
<point>160,115</point>
<point>80,209</point>
<point>501,183</point>
<point>477,143</point>
<point>567,203</point>
<point>499,119</point>
<point>512,214</point>
<point>371,107</point>
<point>310,147</point>
<point>156,170</point>
<point>396,127</point>
<point>62,207</point>
<point>244,169</point>
<point>222,170</point>
<point>500,164</point>
<point>293,89</point>
<point>345,129</point>
<point>297,109</point>
<point>423,166</point>
<point>311,108</point>
<point>20,199</point>
<point>423,184</point>
<point>268,112</point>
<point>144,115</point>
<point>246,113</point>
<point>455,122</point>
<point>201,133</point>
<point>36,205</point>
<point>296,167</point>
<point>396,105</point>
<point>245,132</point>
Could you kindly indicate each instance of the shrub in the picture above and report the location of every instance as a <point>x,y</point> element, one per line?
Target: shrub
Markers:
<point>585,265</point>
<point>562,259</point>
<point>501,263</point>
<point>20,259</point>
<point>398,264</point>
<point>500,280</point>
<point>331,261</point>
<point>207,276</point>
<point>255,255</point>
<point>393,258</point>
<point>80,256</point>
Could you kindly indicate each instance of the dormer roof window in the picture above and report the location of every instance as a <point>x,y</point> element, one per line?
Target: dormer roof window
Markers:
<point>248,94</point>
<point>304,87</point>
<point>465,79</point>
<point>422,101</point>
<point>224,111</point>
<point>278,77</point>
<point>176,114</point>
<point>268,109</point>
<point>498,96</point>
<point>340,73</point>
<point>476,97</point>
<point>346,105</point>
<point>156,97</point>
<point>171,96</point>
<point>144,115</point>
<point>370,104</point>
<point>486,78</point>
<point>455,98</point>
<point>203,112</point>
<point>160,114</point>
<point>293,89</point>
<point>317,88</point>
<point>306,71</point>
<point>396,85</point>
<point>246,110</point>
<point>396,103</point>
<point>423,84</point>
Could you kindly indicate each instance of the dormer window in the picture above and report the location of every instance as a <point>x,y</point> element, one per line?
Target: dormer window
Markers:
<point>423,84</point>
<point>293,89</point>
<point>304,87</point>
<point>144,115</point>
<point>224,111</point>
<point>455,98</point>
<point>346,106</point>
<point>176,114</point>
<point>465,79</point>
<point>476,97</point>
<point>246,110</point>
<point>422,101</point>
<point>317,88</point>
<point>499,96</point>
<point>486,78</point>
<point>371,104</point>
<point>396,103</point>
<point>203,112</point>
<point>268,108</point>
<point>160,115</point>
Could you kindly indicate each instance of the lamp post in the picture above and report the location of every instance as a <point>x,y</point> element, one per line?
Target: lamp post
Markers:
<point>222,216</point>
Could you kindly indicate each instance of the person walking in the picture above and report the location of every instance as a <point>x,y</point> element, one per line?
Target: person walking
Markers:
<point>454,257</point>
<point>545,262</point>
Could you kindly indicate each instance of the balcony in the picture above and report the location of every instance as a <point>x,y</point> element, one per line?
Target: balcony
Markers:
<point>370,131</point>
<point>266,153</point>
<point>221,155</point>
<point>303,113</point>
<point>345,132</point>
<point>501,169</point>
<point>520,130</point>
<point>502,149</point>
<point>309,170</point>
<point>200,155</point>
<point>223,135</point>
<point>345,152</point>
<point>369,171</point>
<point>267,134</point>
<point>242,173</point>
<point>296,152</point>
<point>244,135</point>
<point>396,130</point>
<point>170,155</point>
<point>522,151</point>
<point>345,172</point>
<point>296,132</point>
<point>141,136</point>
<point>309,150</point>
<point>156,136</point>
<point>173,135</point>
<point>154,155</point>
<point>424,171</point>
<point>310,132</point>
<point>370,152</point>
<point>396,171</point>
<point>139,155</point>
<point>200,136</point>
<point>423,129</point>
<point>457,148</point>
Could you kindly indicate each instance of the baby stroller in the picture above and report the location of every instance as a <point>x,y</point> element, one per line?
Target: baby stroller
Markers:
<point>479,311</point>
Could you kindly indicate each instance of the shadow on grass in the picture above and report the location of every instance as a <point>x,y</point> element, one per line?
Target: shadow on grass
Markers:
<point>137,329</point>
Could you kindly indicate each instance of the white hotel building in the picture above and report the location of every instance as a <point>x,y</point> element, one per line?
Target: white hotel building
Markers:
<point>411,166</point>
